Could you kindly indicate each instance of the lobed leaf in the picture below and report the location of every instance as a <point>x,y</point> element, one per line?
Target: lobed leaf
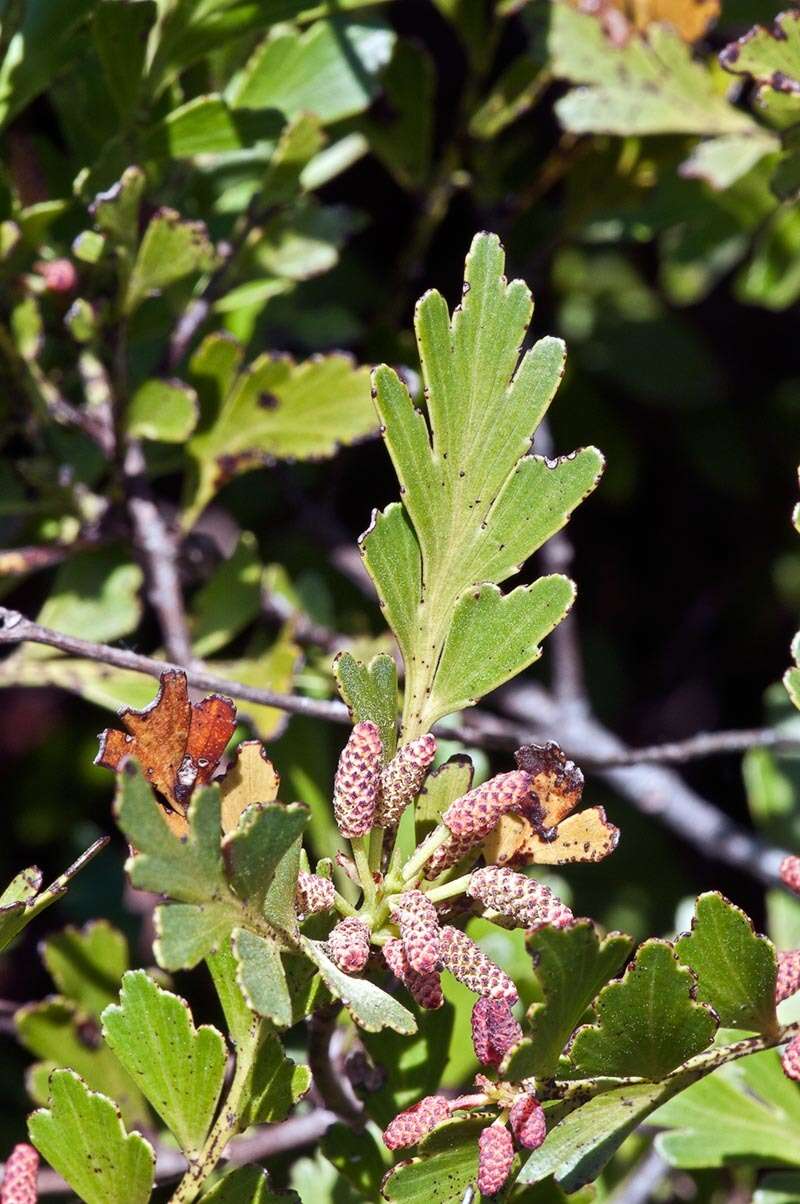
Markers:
<point>248,1185</point>
<point>370,693</point>
<point>179,1068</point>
<point>647,1023</point>
<point>370,1007</point>
<point>83,1138</point>
<point>571,964</point>
<point>736,969</point>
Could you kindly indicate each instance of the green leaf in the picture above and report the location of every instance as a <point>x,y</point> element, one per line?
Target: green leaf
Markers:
<point>771,55</point>
<point>64,1037</point>
<point>778,1189</point>
<point>493,638</point>
<point>229,600</point>
<point>747,1112</point>
<point>261,976</point>
<point>647,86</point>
<point>358,1157</point>
<point>724,160</point>
<point>87,964</point>
<point>403,142</point>
<point>370,693</point>
<point>265,835</point>
<point>179,1068</point>
<point>736,969</point>
<point>442,787</point>
<point>571,964</point>
<point>446,1167</point>
<point>82,1136</point>
<point>120,35</point>
<point>301,139</point>
<point>188,869</point>
<point>577,1149</point>
<point>164,410</point>
<point>116,211</point>
<point>96,592</point>
<point>370,1007</point>
<point>275,1085</point>
<point>206,125</point>
<point>248,1185</point>
<point>171,249</point>
<point>274,409</point>
<point>329,70</point>
<point>413,1066</point>
<point>647,1023</point>
<point>188,932</point>
<point>467,482</point>
<point>23,899</point>
<point>515,92</point>
<point>41,45</point>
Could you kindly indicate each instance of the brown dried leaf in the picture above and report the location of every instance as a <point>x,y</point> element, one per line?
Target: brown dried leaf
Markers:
<point>178,745</point>
<point>690,18</point>
<point>557,782</point>
<point>250,778</point>
<point>587,836</point>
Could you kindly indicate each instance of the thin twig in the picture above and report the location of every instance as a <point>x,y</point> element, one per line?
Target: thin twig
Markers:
<point>654,790</point>
<point>639,1185</point>
<point>328,1080</point>
<point>15,629</point>
<point>157,547</point>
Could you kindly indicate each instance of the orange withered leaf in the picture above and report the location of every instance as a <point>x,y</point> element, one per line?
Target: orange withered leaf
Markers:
<point>177,744</point>
<point>560,837</point>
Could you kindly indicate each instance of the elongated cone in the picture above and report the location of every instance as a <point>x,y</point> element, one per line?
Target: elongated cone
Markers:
<point>419,930</point>
<point>314,894</point>
<point>357,781</point>
<point>348,945</point>
<point>416,1122</point>
<point>531,904</point>
<point>789,871</point>
<point>19,1181</point>
<point>790,1060</point>
<point>494,1030</point>
<point>495,1158</point>
<point>788,975</point>
<point>528,1122</point>
<point>426,989</point>
<point>402,779</point>
<point>473,816</point>
<point>470,965</point>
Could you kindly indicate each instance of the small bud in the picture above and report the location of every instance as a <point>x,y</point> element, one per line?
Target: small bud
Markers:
<point>790,1061</point>
<point>528,1122</point>
<point>531,904</point>
<point>313,894</point>
<point>425,989</point>
<point>495,1158</point>
<point>20,1179</point>
<point>402,779</point>
<point>59,275</point>
<point>789,871</point>
<point>419,930</point>
<point>788,975</point>
<point>416,1122</point>
<point>470,965</point>
<point>476,814</point>
<point>357,781</point>
<point>348,945</point>
<point>494,1031</point>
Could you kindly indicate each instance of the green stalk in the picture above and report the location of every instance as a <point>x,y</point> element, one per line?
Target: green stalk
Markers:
<point>361,858</point>
<point>228,1121</point>
<point>439,836</point>
<point>448,889</point>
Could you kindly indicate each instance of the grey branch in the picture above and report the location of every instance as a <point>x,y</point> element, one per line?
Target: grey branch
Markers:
<point>158,550</point>
<point>533,715</point>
